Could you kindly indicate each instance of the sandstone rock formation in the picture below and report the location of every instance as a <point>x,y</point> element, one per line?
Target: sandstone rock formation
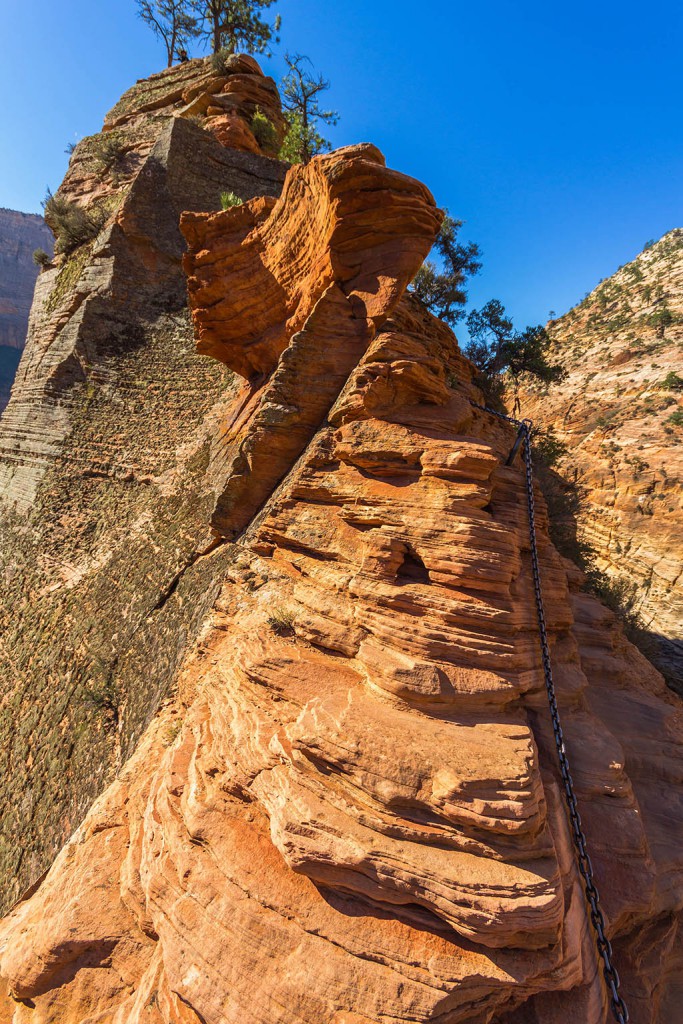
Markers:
<point>349,811</point>
<point>222,99</point>
<point>20,235</point>
<point>621,414</point>
<point>321,267</point>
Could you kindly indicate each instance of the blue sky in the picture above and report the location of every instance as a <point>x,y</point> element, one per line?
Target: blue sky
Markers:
<point>553,130</point>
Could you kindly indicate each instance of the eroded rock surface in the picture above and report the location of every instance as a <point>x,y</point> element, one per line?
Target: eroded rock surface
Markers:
<point>312,274</point>
<point>107,481</point>
<point>350,812</point>
<point>222,98</point>
<point>620,413</point>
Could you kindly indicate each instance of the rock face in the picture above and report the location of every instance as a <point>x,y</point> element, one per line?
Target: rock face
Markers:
<point>349,810</point>
<point>621,414</point>
<point>321,268</point>
<point>20,235</point>
<point>107,475</point>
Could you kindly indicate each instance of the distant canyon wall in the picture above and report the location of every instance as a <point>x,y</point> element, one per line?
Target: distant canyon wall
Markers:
<point>20,235</point>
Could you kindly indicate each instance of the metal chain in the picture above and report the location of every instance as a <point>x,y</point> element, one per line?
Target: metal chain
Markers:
<point>618,1006</point>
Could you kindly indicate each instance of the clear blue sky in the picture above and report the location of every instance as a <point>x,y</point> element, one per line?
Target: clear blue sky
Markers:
<point>554,130</point>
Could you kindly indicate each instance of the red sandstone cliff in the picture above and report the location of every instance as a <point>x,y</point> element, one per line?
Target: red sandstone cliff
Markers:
<point>347,808</point>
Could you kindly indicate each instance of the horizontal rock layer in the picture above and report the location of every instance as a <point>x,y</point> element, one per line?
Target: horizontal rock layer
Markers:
<point>313,274</point>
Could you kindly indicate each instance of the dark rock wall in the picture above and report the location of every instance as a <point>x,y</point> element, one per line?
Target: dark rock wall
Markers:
<point>107,484</point>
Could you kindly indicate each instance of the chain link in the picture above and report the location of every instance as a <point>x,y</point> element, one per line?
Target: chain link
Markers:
<point>604,947</point>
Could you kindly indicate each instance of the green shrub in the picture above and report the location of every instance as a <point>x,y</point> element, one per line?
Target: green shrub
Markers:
<point>171,733</point>
<point>42,259</point>
<point>222,61</point>
<point>229,199</point>
<point>265,133</point>
<point>281,621</point>
<point>72,225</point>
<point>660,319</point>
<point>672,382</point>
<point>676,418</point>
<point>219,61</point>
<point>104,697</point>
<point>107,150</point>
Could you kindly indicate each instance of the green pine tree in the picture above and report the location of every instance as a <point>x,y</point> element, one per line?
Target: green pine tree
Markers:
<point>440,285</point>
<point>172,21</point>
<point>300,92</point>
<point>234,25</point>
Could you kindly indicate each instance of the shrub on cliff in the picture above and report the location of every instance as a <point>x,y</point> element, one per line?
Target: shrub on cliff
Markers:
<point>107,150</point>
<point>220,61</point>
<point>265,133</point>
<point>42,259</point>
<point>72,225</point>
<point>440,285</point>
<point>229,199</point>
<point>660,319</point>
<point>672,382</point>
<point>547,447</point>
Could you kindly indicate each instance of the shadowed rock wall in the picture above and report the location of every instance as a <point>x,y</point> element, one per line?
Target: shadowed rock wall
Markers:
<point>106,480</point>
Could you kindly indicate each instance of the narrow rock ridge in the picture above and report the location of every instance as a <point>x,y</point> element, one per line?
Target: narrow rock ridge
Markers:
<point>312,275</point>
<point>350,812</point>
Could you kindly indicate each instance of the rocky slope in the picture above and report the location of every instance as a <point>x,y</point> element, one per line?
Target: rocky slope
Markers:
<point>347,807</point>
<point>20,235</point>
<point>620,412</point>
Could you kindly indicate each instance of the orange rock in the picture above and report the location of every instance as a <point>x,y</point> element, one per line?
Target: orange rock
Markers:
<point>359,818</point>
<point>344,218</point>
<point>294,276</point>
<point>238,94</point>
<point>232,131</point>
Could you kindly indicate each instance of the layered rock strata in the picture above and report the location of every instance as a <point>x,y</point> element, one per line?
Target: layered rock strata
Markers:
<point>20,235</point>
<point>315,273</point>
<point>107,483</point>
<point>350,812</point>
<point>221,95</point>
<point>620,413</point>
